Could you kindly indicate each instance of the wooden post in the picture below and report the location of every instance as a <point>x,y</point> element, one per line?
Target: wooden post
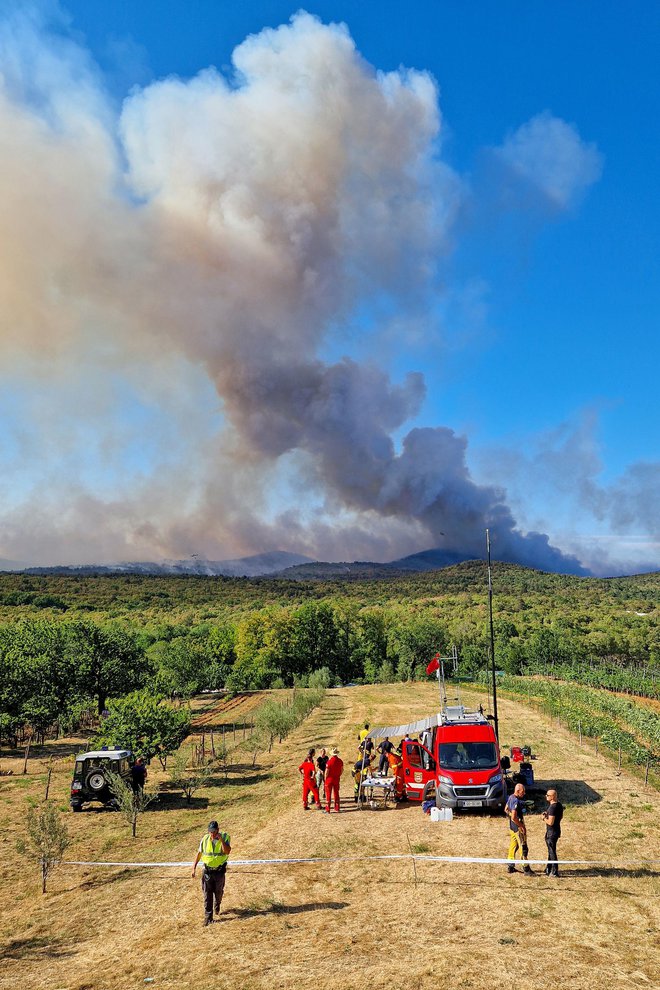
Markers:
<point>212,745</point>
<point>596,743</point>
<point>580,731</point>
<point>50,774</point>
<point>412,856</point>
<point>646,775</point>
<point>619,756</point>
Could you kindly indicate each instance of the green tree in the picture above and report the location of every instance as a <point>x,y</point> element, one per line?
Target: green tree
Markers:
<point>110,661</point>
<point>415,642</point>
<point>131,803</point>
<point>371,647</point>
<point>46,838</point>
<point>186,776</point>
<point>315,639</point>
<point>181,666</point>
<point>146,725</point>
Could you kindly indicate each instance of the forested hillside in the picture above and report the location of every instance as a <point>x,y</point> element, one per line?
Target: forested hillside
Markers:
<point>84,639</point>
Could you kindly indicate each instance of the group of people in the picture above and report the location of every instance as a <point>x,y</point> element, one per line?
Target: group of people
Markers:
<point>325,771</point>
<point>552,816</point>
<point>389,758</point>
<point>321,774</point>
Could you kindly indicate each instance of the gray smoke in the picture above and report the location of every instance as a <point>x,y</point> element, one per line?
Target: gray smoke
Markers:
<point>227,231</point>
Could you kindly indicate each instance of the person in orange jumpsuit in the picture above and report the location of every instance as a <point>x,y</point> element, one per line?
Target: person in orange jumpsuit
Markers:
<point>396,766</point>
<point>308,770</point>
<point>333,771</point>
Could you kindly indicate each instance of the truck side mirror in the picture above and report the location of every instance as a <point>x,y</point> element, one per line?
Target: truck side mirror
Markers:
<point>505,762</point>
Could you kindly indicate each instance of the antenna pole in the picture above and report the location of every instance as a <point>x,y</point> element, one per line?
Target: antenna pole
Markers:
<point>492,637</point>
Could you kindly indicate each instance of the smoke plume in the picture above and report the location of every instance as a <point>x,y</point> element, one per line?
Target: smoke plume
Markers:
<point>176,273</point>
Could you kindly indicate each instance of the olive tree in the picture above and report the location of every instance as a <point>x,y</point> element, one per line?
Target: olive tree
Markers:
<point>131,802</point>
<point>46,838</point>
<point>186,776</point>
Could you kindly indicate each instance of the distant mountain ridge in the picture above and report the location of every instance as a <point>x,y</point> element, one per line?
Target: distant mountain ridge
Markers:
<point>280,564</point>
<point>426,560</point>
<point>274,564</point>
<point>257,565</point>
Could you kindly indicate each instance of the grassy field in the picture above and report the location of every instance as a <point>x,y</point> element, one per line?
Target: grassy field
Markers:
<point>341,925</point>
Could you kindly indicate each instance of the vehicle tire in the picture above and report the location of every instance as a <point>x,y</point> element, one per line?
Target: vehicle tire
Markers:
<point>76,807</point>
<point>96,781</point>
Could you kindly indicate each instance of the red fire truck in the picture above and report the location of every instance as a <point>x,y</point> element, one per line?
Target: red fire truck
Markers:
<point>453,756</point>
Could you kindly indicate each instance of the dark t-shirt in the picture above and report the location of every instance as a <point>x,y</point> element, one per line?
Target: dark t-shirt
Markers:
<point>385,747</point>
<point>556,809</point>
<point>517,804</point>
<point>139,773</point>
<point>322,762</point>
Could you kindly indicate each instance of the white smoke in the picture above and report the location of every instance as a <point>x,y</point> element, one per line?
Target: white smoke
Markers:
<point>217,230</point>
<point>551,156</point>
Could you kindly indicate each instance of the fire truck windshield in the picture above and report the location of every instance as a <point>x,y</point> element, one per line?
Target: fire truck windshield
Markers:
<point>468,756</point>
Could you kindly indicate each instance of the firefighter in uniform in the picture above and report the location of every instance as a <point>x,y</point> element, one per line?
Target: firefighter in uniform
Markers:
<point>333,771</point>
<point>308,770</point>
<point>396,766</point>
<point>214,852</point>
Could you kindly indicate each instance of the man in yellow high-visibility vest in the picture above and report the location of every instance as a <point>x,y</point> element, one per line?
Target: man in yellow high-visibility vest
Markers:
<point>214,852</point>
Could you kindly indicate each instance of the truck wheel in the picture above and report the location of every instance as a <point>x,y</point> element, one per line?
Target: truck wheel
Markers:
<point>76,807</point>
<point>96,781</point>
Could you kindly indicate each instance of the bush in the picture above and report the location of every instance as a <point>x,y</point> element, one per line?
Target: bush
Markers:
<point>46,840</point>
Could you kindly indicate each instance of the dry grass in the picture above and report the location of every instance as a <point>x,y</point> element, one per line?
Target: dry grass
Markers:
<point>345,925</point>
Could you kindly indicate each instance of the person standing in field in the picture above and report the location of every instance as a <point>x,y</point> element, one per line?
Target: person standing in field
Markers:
<point>214,852</point>
<point>396,766</point>
<point>333,772</point>
<point>515,809</point>
<point>138,776</point>
<point>308,770</point>
<point>321,763</point>
<point>384,748</point>
<point>361,770</point>
<point>363,742</point>
<point>552,817</point>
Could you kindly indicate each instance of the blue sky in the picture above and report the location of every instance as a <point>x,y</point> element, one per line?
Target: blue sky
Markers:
<point>536,334</point>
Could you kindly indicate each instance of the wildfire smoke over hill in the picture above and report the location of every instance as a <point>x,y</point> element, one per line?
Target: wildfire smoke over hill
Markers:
<point>177,273</point>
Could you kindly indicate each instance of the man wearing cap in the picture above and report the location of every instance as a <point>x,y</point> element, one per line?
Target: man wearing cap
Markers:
<point>214,852</point>
<point>333,771</point>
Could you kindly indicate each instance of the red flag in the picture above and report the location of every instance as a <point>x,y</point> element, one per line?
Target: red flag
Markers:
<point>434,664</point>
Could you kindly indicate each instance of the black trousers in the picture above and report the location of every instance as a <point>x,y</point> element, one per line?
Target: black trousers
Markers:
<point>551,843</point>
<point>383,765</point>
<point>213,887</point>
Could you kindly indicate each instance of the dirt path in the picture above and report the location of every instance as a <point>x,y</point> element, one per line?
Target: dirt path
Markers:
<point>359,923</point>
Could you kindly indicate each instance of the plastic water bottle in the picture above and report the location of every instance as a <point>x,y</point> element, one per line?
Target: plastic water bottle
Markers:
<point>435,814</point>
<point>449,815</point>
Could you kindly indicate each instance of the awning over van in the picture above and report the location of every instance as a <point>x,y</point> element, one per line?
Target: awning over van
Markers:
<point>411,728</point>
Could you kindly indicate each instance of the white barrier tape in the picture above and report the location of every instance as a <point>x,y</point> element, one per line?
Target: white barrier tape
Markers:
<point>431,859</point>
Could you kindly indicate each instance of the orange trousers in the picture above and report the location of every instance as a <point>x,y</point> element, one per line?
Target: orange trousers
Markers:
<point>332,789</point>
<point>309,787</point>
